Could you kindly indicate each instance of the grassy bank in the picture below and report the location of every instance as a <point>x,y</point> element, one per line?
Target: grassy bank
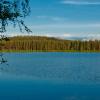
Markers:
<point>30,51</point>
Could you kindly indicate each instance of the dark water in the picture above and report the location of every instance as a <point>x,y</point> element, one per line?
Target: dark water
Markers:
<point>50,76</point>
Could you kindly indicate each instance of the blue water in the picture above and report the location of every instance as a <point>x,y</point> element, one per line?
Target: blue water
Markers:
<point>50,76</point>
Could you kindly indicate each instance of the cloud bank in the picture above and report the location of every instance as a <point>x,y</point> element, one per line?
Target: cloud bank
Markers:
<point>75,2</point>
<point>66,36</point>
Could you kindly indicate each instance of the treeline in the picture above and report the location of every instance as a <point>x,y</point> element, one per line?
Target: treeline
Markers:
<point>37,43</point>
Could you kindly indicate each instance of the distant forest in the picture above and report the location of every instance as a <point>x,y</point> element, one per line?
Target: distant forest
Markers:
<point>37,43</point>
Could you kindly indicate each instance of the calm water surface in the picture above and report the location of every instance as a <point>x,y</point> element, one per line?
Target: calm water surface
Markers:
<point>50,76</point>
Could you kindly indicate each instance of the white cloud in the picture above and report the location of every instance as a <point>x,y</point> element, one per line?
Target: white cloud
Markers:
<point>42,17</point>
<point>67,35</point>
<point>81,36</point>
<point>72,36</point>
<point>64,31</point>
<point>17,34</point>
<point>51,18</point>
<point>68,25</point>
<point>58,19</point>
<point>92,37</point>
<point>76,2</point>
<point>40,34</point>
<point>59,35</point>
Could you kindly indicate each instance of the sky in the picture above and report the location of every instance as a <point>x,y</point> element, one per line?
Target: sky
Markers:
<point>64,18</point>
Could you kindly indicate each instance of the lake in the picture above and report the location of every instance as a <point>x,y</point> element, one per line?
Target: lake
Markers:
<point>50,76</point>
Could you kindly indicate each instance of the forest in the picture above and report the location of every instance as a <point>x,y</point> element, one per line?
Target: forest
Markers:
<point>48,44</point>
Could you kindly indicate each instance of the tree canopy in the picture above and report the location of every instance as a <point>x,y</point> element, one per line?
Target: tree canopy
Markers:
<point>13,11</point>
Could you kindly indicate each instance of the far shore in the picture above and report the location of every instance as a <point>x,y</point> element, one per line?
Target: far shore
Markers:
<point>48,44</point>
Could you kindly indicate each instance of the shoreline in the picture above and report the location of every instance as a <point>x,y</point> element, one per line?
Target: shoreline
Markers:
<point>30,51</point>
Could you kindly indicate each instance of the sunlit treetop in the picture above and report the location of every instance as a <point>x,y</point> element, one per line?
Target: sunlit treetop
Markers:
<point>13,11</point>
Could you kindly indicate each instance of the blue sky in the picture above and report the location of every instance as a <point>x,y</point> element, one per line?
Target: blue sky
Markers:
<point>64,18</point>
